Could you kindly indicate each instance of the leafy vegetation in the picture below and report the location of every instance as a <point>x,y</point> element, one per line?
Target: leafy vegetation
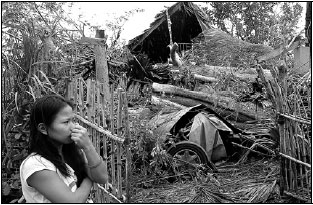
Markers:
<point>257,22</point>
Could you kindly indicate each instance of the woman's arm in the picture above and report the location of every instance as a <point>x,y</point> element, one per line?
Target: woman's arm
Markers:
<point>49,184</point>
<point>95,166</point>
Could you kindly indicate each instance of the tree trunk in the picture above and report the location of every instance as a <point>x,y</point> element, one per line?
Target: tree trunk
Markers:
<point>226,107</point>
<point>206,97</point>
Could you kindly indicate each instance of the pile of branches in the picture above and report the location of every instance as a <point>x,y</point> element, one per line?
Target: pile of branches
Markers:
<point>140,68</point>
<point>215,47</point>
<point>250,182</point>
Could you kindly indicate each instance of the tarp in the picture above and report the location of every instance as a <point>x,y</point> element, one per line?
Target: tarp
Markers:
<point>205,132</point>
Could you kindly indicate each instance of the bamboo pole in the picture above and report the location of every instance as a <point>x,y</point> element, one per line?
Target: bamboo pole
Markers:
<point>169,24</point>
<point>88,103</point>
<point>295,160</point>
<point>127,147</point>
<point>119,134</point>
<point>298,148</point>
<point>103,107</point>
<point>92,98</point>
<point>113,154</point>
<point>81,97</point>
<point>75,94</point>
<point>105,159</point>
<point>103,131</point>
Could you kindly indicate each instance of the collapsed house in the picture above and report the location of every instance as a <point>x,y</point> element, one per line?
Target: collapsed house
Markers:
<point>188,21</point>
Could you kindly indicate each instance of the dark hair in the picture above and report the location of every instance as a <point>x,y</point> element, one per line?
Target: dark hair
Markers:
<point>44,111</point>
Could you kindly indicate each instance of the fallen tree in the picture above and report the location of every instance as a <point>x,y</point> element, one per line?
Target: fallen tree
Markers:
<point>206,97</point>
<point>225,106</point>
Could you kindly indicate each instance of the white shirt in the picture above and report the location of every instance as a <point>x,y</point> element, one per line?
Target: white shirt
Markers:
<point>34,163</point>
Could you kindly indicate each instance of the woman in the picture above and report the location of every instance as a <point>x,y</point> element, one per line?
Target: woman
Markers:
<point>63,163</point>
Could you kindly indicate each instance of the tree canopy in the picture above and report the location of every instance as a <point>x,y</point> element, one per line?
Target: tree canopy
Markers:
<point>257,22</point>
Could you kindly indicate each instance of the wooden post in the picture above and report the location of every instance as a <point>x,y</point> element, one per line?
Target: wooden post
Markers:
<point>102,73</point>
<point>169,23</point>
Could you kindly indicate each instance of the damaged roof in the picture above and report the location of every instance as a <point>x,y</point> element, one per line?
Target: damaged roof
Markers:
<point>188,21</point>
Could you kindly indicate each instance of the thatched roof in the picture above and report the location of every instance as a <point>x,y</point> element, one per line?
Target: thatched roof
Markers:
<point>188,20</point>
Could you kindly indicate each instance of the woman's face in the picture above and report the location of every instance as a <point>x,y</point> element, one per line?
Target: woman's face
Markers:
<point>60,128</point>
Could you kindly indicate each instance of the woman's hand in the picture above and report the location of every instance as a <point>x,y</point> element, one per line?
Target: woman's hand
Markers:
<point>80,137</point>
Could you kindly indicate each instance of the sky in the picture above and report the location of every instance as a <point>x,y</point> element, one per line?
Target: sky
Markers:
<point>98,12</point>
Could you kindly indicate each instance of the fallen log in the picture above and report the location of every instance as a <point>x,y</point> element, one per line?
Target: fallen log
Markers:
<point>158,101</point>
<point>205,78</point>
<point>225,106</point>
<point>206,97</point>
<point>235,115</point>
<point>249,74</point>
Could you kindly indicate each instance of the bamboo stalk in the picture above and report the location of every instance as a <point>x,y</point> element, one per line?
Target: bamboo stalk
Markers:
<point>295,160</point>
<point>88,103</point>
<point>108,193</point>
<point>103,105</point>
<point>81,97</point>
<point>75,94</point>
<point>105,159</point>
<point>127,147</point>
<point>290,117</point>
<point>112,110</point>
<point>92,98</point>
<point>99,129</point>
<point>296,140</point>
<point>288,149</point>
<point>295,196</point>
<point>98,105</point>
<point>113,154</point>
<point>119,134</point>
<point>293,154</point>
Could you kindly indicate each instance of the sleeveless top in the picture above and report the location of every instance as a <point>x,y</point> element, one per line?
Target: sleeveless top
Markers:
<point>34,163</point>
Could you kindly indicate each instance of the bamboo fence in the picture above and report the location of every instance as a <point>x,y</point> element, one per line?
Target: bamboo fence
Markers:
<point>93,111</point>
<point>292,101</point>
